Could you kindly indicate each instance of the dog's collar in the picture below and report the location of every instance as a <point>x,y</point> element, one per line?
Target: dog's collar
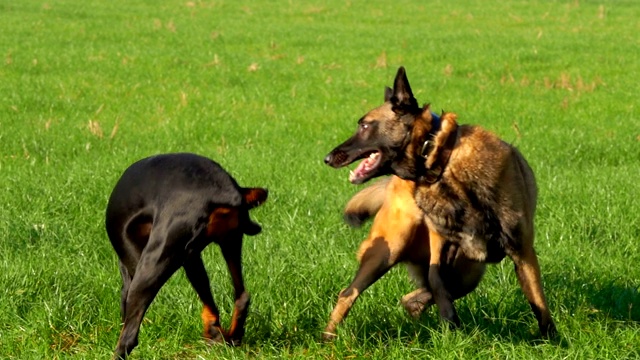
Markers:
<point>429,143</point>
<point>434,172</point>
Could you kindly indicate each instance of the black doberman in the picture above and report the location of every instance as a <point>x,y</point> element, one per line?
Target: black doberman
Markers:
<point>162,213</point>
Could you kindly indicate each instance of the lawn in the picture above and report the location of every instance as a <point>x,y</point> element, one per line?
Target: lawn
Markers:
<point>267,89</point>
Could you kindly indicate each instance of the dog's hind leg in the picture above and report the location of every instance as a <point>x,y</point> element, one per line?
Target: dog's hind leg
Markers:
<point>157,263</point>
<point>232,252</point>
<point>441,296</point>
<point>197,275</point>
<point>376,260</point>
<point>126,282</point>
<point>528,272</point>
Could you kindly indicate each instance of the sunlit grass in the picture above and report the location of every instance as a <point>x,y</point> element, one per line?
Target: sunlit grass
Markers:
<point>267,90</point>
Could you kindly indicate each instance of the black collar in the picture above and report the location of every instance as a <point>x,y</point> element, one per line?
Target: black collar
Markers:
<point>429,142</point>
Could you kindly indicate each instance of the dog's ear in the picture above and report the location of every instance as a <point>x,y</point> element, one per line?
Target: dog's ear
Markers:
<point>254,197</point>
<point>388,93</point>
<point>402,98</point>
<point>448,128</point>
<point>426,112</point>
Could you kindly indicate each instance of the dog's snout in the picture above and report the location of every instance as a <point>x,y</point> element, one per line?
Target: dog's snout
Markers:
<point>328,158</point>
<point>336,158</point>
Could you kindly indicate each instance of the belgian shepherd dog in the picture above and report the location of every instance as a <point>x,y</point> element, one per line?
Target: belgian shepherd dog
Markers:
<point>399,234</point>
<point>162,213</point>
<point>475,190</point>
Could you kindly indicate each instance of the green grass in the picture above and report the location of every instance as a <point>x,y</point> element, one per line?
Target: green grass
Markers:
<point>267,89</point>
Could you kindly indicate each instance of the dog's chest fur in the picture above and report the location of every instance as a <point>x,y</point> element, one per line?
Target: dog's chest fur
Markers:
<point>477,202</point>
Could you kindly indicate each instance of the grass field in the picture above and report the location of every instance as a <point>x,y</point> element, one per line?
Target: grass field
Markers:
<point>267,89</point>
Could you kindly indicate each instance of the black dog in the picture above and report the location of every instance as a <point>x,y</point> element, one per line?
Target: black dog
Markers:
<point>162,213</point>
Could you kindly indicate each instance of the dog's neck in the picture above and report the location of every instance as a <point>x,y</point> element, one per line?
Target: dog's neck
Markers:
<point>434,146</point>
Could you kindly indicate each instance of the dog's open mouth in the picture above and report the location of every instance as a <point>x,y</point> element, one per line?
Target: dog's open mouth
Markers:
<point>365,169</point>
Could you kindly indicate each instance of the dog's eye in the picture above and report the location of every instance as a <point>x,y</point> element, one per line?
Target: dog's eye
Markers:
<point>364,126</point>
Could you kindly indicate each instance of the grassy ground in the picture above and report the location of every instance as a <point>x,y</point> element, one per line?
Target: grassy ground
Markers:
<point>267,89</point>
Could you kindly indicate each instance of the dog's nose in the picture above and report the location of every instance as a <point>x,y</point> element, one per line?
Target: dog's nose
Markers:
<point>328,158</point>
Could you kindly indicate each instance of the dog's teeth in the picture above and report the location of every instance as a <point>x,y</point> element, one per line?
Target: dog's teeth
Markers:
<point>352,176</point>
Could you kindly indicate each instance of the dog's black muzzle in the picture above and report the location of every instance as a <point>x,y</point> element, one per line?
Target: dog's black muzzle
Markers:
<point>336,158</point>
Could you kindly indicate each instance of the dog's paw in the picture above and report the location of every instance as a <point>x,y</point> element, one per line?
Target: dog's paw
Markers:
<point>549,331</point>
<point>414,309</point>
<point>415,304</point>
<point>328,336</point>
<point>215,335</point>
<point>355,220</point>
<point>235,341</point>
<point>450,318</point>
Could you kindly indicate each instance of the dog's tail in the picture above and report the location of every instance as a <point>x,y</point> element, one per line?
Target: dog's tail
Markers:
<point>366,203</point>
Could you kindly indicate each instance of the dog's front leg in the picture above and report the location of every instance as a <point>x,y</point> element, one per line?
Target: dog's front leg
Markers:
<point>374,263</point>
<point>440,294</point>
<point>232,252</point>
<point>197,275</point>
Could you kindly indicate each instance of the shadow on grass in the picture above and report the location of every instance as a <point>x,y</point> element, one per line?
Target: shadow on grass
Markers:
<point>607,297</point>
<point>429,328</point>
<point>509,320</point>
<point>394,327</point>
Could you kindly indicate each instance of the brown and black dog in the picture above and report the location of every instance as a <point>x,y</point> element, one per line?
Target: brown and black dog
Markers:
<point>399,234</point>
<point>475,190</point>
<point>162,213</point>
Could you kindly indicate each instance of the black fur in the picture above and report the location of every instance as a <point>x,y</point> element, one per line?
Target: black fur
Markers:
<point>158,220</point>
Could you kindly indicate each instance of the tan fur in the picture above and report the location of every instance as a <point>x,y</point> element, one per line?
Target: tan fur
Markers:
<point>222,220</point>
<point>495,187</point>
<point>397,223</point>
<point>399,234</point>
<point>475,195</point>
<point>366,203</point>
<point>498,175</point>
<point>448,127</point>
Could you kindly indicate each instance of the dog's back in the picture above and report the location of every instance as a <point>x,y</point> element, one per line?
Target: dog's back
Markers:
<point>495,186</point>
<point>160,185</point>
<point>172,179</point>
